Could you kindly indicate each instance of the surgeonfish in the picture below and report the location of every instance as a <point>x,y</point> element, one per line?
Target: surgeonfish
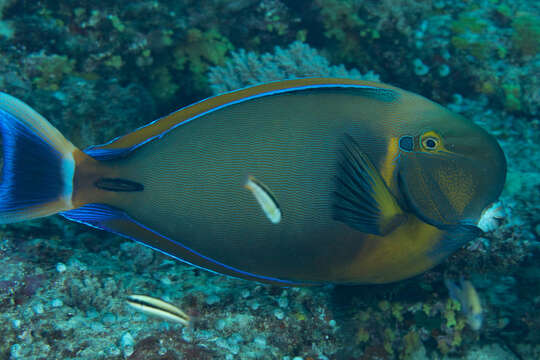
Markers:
<point>467,296</point>
<point>373,184</point>
<point>157,307</point>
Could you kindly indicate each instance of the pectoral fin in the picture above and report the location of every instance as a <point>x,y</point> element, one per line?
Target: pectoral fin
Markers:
<point>361,199</point>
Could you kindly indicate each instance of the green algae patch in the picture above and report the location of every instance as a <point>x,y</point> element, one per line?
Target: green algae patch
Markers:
<point>468,30</point>
<point>49,70</point>
<point>163,85</point>
<point>512,96</point>
<point>526,38</point>
<point>202,50</point>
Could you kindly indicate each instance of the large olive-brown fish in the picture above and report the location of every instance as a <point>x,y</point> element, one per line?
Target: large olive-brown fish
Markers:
<point>296,182</point>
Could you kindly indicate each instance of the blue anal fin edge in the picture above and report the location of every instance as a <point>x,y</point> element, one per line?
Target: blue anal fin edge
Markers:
<point>99,216</point>
<point>94,214</point>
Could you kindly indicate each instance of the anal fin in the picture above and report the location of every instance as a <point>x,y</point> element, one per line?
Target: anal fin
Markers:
<point>117,221</point>
<point>361,199</point>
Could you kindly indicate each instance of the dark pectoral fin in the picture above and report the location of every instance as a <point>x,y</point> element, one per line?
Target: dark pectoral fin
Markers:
<point>362,200</point>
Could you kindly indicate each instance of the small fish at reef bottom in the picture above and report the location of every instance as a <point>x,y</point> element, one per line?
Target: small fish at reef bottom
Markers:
<point>265,199</point>
<point>156,307</point>
<point>468,297</point>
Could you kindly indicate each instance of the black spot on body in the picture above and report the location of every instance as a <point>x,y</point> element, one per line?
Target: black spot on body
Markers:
<point>406,143</point>
<point>118,185</point>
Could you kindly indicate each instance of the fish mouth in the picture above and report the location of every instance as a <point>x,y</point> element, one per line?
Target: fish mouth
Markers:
<point>491,216</point>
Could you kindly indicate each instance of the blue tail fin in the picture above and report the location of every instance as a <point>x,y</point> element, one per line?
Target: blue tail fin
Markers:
<point>37,165</point>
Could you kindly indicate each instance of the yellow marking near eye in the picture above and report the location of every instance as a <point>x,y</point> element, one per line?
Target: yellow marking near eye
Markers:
<point>439,148</point>
<point>265,199</point>
<point>388,164</point>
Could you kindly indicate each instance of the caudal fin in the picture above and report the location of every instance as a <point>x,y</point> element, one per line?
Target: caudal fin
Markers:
<point>37,164</point>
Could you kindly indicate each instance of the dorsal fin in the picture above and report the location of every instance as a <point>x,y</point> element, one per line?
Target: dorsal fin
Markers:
<point>123,145</point>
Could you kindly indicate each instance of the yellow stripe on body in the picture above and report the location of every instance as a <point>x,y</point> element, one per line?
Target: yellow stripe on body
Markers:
<point>388,164</point>
<point>388,206</point>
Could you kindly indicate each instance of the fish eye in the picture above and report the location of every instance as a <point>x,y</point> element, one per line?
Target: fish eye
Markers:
<point>430,141</point>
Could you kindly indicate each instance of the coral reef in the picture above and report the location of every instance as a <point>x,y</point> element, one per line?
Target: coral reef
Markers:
<point>98,69</point>
<point>297,61</point>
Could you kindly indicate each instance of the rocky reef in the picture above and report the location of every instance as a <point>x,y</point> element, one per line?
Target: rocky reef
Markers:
<point>98,69</point>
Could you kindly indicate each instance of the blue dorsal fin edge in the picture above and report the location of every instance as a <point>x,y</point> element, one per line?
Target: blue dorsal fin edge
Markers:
<point>107,154</point>
<point>373,92</point>
<point>95,215</point>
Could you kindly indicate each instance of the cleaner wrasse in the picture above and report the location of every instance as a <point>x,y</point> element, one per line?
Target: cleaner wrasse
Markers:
<point>351,182</point>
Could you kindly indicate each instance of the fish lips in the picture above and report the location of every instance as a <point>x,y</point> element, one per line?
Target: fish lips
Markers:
<point>446,190</point>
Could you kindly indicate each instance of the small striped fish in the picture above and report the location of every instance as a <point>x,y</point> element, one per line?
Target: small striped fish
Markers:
<point>157,307</point>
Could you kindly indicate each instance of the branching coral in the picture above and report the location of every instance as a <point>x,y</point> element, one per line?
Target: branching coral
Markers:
<point>298,60</point>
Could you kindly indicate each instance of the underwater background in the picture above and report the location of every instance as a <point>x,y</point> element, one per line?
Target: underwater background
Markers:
<point>98,69</point>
